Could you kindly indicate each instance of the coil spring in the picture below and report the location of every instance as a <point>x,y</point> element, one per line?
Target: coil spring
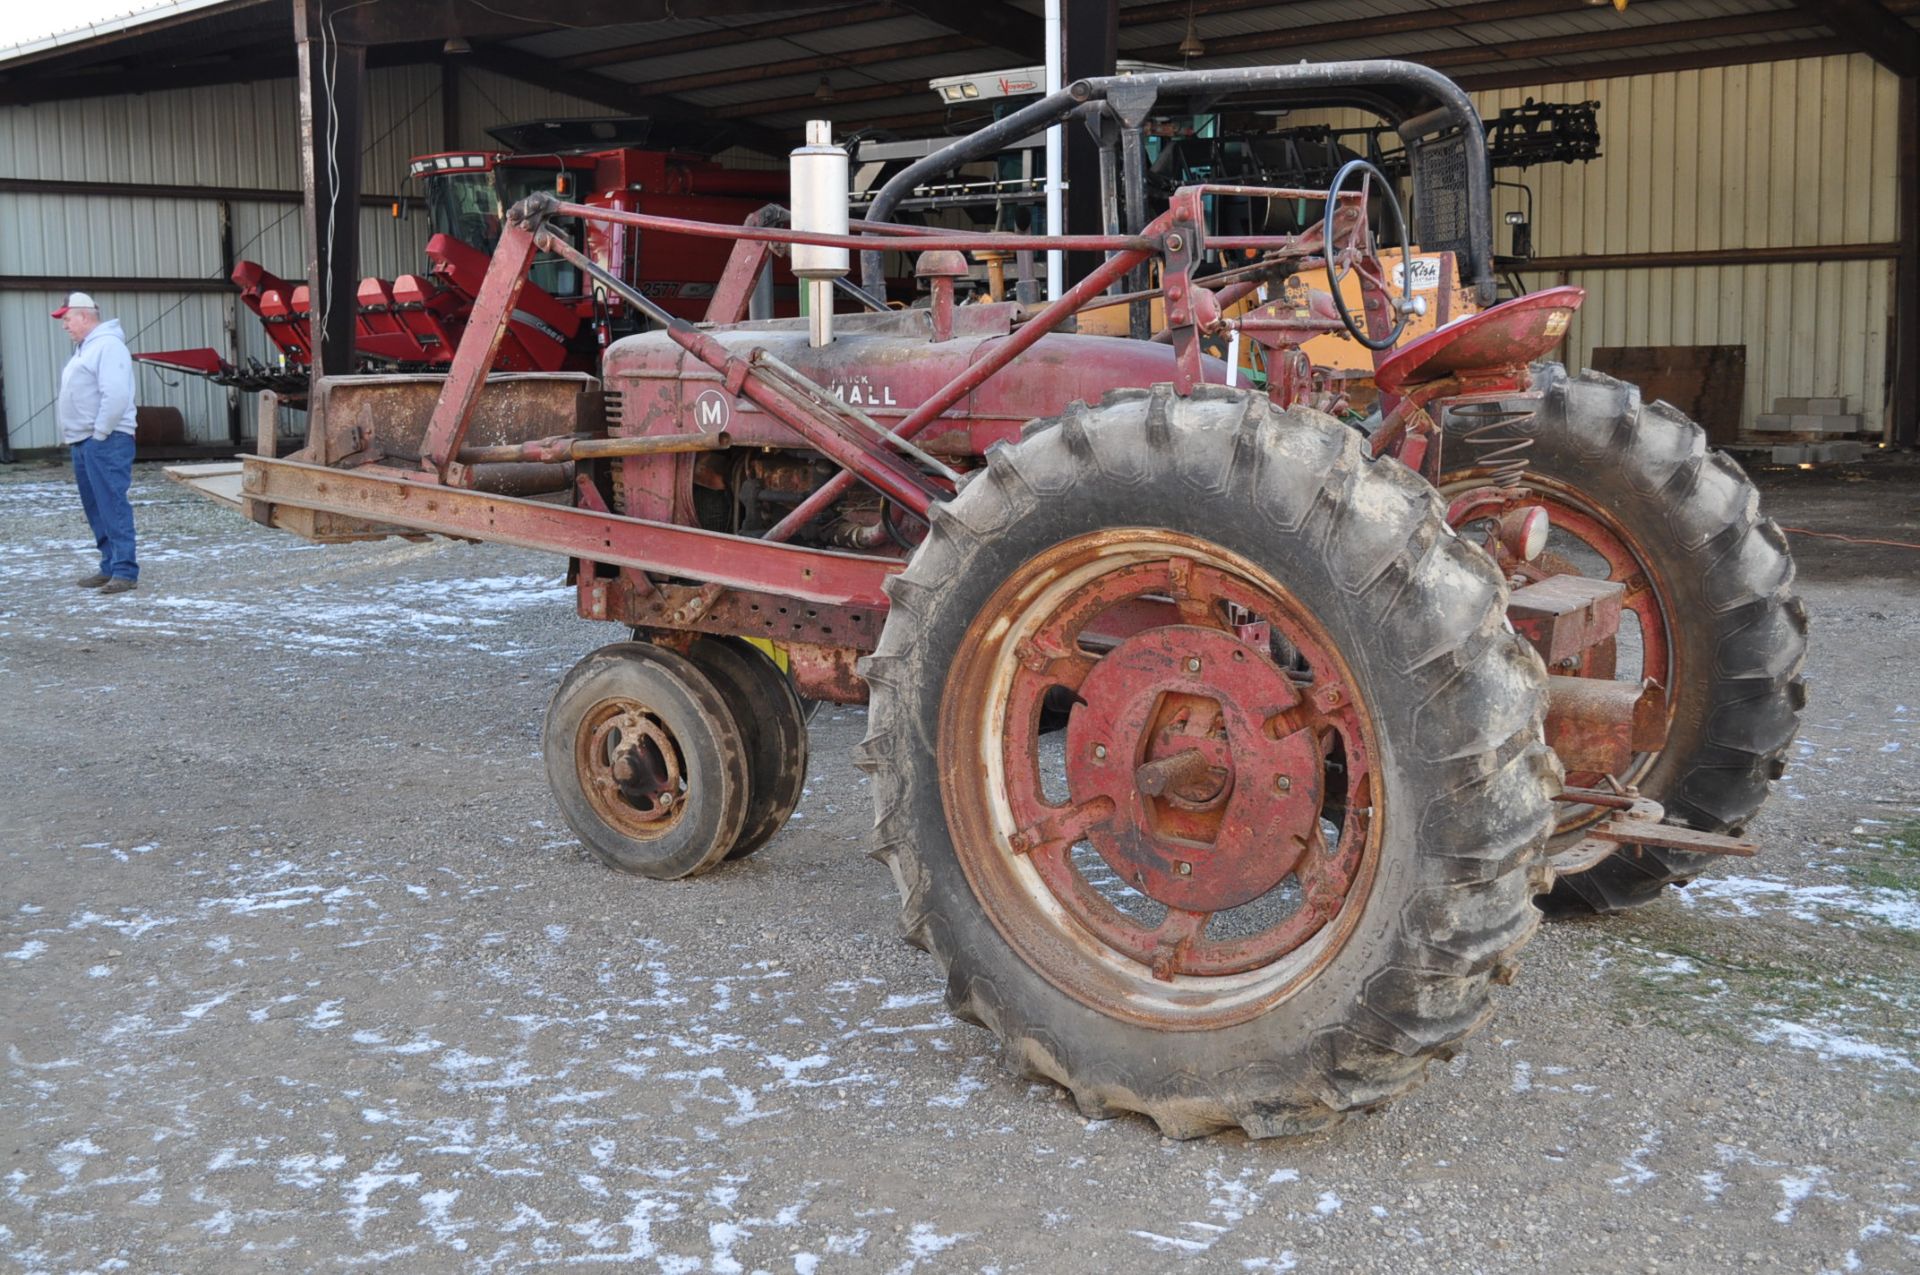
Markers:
<point>1496,447</point>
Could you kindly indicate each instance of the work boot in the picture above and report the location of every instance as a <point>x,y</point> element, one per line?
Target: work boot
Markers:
<point>118,584</point>
<point>93,581</point>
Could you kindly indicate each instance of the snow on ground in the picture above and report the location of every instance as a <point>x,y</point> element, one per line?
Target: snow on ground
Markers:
<point>342,991</point>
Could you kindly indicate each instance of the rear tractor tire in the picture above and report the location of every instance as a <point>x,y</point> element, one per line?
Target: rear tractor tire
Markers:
<point>647,762</point>
<point>1292,830</point>
<point>1636,495</point>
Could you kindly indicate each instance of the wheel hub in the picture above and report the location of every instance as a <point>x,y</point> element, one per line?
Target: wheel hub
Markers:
<point>1172,834</point>
<point>1214,801</point>
<point>632,767</point>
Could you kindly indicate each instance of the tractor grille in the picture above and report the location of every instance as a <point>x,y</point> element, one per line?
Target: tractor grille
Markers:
<point>1440,196</point>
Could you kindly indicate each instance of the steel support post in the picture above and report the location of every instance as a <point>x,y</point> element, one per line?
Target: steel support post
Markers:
<point>1905,404</point>
<point>332,79</point>
<point>1093,47</point>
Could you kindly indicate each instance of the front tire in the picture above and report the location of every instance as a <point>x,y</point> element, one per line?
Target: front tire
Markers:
<point>773,723</point>
<point>1275,1007</point>
<point>646,762</point>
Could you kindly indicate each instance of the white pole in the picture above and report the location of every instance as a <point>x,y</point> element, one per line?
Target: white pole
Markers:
<point>1056,260</point>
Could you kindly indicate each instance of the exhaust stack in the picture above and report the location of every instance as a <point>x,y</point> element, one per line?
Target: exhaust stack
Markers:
<point>819,174</point>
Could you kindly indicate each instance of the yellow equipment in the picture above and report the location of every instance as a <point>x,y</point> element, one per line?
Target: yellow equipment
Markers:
<point>1436,277</point>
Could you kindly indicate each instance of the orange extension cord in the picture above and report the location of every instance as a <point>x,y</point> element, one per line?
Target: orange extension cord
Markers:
<point>1852,540</point>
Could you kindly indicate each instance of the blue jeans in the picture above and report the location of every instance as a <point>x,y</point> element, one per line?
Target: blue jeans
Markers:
<point>103,470</point>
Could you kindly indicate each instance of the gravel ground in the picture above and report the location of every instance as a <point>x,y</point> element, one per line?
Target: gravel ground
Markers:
<point>300,970</point>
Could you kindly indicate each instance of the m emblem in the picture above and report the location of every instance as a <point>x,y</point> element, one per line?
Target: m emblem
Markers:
<point>711,411</point>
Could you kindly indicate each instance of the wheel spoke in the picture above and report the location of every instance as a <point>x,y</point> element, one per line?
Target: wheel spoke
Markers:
<point>1298,716</point>
<point>1066,669</point>
<point>1172,939</point>
<point>1195,590</point>
<point>1215,593</point>
<point>1064,826</point>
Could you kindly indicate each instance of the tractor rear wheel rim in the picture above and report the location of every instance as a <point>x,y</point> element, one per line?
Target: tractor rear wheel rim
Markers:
<point>631,767</point>
<point>1218,773</point>
<point>1623,560</point>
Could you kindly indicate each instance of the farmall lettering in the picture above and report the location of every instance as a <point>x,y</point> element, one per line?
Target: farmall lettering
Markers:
<point>862,392</point>
<point>711,411</point>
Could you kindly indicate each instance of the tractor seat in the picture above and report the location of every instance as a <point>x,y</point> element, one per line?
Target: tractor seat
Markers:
<point>1511,334</point>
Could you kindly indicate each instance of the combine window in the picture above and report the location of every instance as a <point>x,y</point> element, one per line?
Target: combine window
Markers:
<point>466,206</point>
<point>470,207</point>
<point>557,276</point>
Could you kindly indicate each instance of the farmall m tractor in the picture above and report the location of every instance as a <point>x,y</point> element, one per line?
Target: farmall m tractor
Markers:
<point>1221,749</point>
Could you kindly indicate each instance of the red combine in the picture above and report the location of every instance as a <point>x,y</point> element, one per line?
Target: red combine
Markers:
<point>1225,751</point>
<point>414,322</point>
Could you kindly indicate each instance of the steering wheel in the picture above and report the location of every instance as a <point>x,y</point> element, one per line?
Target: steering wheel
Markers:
<point>1353,253</point>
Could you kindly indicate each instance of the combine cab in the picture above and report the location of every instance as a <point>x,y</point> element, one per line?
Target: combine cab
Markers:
<point>1224,751</point>
<point>414,322</point>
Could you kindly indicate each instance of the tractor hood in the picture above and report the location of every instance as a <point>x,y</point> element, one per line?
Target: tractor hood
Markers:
<point>887,365</point>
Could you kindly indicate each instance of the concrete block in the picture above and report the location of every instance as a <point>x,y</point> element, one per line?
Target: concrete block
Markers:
<point>1771,423</point>
<point>1819,453</point>
<point>1825,423</point>
<point>1810,406</point>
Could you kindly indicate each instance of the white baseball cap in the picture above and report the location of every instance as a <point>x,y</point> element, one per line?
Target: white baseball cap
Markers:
<point>75,301</point>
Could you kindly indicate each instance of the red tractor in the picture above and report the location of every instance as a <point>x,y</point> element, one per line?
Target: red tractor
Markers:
<point>1225,752</point>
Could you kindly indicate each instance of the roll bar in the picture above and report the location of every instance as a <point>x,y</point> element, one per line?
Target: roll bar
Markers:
<point>1416,99</point>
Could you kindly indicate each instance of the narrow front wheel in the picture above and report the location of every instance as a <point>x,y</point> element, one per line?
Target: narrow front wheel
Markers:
<point>646,762</point>
<point>773,723</point>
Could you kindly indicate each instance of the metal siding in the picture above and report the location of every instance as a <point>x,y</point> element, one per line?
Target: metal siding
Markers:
<point>273,235</point>
<point>163,138</point>
<point>33,349</point>
<point>90,235</point>
<point>244,135</point>
<point>402,119</point>
<point>227,135</point>
<point>392,245</point>
<point>488,100</point>
<point>1777,154</point>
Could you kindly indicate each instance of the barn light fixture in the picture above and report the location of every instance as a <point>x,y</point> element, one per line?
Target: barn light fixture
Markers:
<point>456,45</point>
<point>823,91</point>
<point>1191,45</point>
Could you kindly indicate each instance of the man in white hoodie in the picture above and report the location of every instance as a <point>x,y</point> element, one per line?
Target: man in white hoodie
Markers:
<point>97,421</point>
